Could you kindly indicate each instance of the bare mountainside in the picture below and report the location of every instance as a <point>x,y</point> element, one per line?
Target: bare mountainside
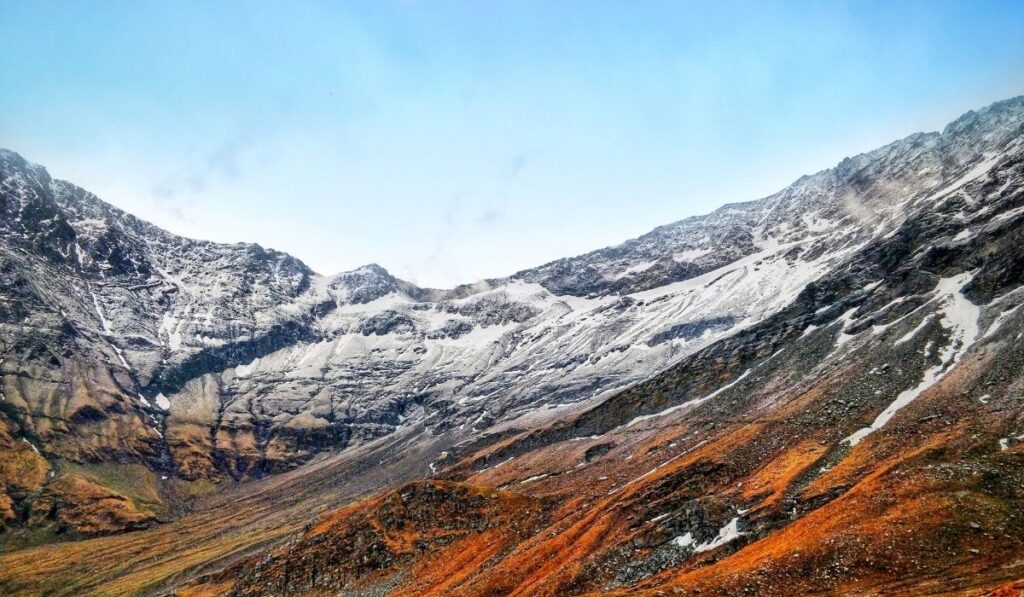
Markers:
<point>776,356</point>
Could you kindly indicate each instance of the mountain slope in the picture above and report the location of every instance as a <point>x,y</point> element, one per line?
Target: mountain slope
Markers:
<point>134,354</point>
<point>865,439</point>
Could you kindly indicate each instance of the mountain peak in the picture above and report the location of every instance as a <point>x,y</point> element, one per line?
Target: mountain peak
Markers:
<point>371,268</point>
<point>12,160</point>
<point>996,117</point>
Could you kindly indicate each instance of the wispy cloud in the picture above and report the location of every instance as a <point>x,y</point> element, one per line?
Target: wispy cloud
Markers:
<point>517,164</point>
<point>179,190</point>
<point>489,216</point>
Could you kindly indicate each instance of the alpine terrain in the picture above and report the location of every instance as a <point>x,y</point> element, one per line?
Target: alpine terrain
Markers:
<point>820,391</point>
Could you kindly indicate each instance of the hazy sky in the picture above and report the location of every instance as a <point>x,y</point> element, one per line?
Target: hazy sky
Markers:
<point>454,141</point>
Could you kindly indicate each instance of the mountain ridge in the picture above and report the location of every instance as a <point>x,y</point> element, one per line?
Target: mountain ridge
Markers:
<point>863,439</point>
<point>999,107</point>
<point>133,353</point>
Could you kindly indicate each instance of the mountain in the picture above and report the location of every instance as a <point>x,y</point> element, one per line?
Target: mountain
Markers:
<point>754,400</point>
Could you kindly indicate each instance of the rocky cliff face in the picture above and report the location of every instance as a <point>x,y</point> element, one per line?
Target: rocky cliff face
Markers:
<point>93,315</point>
<point>125,344</point>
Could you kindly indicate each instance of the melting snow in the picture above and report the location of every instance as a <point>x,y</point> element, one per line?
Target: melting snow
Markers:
<point>684,540</point>
<point>1004,443</point>
<point>120,357</point>
<point>999,321</point>
<point>31,445</point>
<point>635,269</point>
<point>662,465</point>
<point>928,348</point>
<point>500,464</point>
<point>696,402</point>
<point>729,532</point>
<point>163,402</point>
<point>960,316</point>
<point>846,319</point>
<point>107,331</point>
<point>210,340</point>
<point>910,335</point>
<point>170,326</point>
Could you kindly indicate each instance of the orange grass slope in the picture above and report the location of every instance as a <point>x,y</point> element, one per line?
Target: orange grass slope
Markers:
<point>220,529</point>
<point>425,536</point>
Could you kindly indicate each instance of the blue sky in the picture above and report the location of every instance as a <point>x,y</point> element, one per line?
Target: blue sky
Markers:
<point>451,141</point>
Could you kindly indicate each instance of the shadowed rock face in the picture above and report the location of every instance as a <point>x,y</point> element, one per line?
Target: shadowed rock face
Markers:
<point>124,344</point>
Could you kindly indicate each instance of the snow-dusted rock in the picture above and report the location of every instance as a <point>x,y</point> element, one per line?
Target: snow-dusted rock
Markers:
<point>206,359</point>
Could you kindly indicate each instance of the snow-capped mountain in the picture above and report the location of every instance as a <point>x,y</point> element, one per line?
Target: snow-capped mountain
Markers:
<point>123,342</point>
<point>866,438</point>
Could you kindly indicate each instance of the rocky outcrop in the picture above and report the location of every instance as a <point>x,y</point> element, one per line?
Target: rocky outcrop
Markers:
<point>22,475</point>
<point>78,505</point>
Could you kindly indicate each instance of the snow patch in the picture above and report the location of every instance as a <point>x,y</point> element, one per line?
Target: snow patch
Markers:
<point>210,341</point>
<point>845,319</point>
<point>31,445</point>
<point>246,370</point>
<point>986,164</point>
<point>999,321</point>
<point>910,335</point>
<point>729,532</point>
<point>1009,214</point>
<point>690,255</point>
<point>104,322</point>
<point>120,357</point>
<point>696,402</point>
<point>960,316</point>
<point>963,235</point>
